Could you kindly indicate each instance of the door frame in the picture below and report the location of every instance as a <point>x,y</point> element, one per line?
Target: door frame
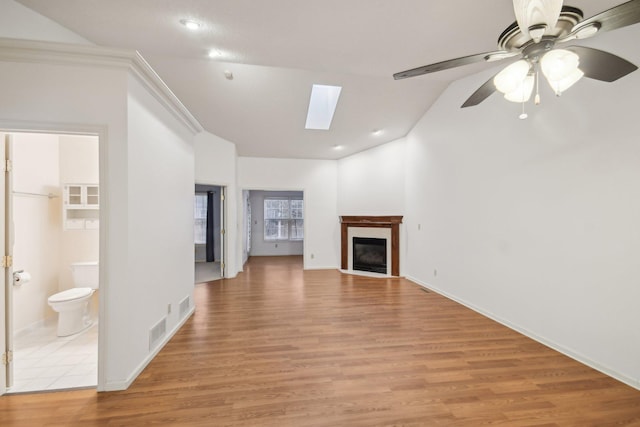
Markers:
<point>6,339</point>
<point>102,133</point>
<point>283,190</point>
<point>223,225</point>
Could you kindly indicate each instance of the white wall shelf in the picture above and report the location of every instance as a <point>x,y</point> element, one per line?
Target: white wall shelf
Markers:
<point>80,209</point>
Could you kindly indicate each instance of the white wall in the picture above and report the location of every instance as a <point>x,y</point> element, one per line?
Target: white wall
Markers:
<point>215,164</point>
<point>260,247</point>
<point>146,180</point>
<point>20,22</point>
<point>160,224</point>
<point>318,180</point>
<point>34,102</point>
<point>535,222</point>
<point>372,182</point>
<point>37,227</point>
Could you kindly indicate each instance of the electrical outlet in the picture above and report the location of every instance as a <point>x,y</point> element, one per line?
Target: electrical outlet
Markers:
<point>435,272</point>
<point>312,256</point>
<point>419,226</point>
<point>169,308</point>
<point>276,245</point>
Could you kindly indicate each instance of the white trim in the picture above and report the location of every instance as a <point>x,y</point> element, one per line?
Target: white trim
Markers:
<point>61,53</point>
<point>320,268</point>
<point>126,383</point>
<point>632,382</point>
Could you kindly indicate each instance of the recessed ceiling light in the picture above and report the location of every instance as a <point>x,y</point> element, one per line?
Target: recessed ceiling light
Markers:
<point>338,147</point>
<point>228,75</point>
<point>214,53</point>
<point>377,132</point>
<point>190,24</point>
<point>322,106</point>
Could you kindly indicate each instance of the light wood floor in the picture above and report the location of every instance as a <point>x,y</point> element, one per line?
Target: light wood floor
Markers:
<point>281,347</point>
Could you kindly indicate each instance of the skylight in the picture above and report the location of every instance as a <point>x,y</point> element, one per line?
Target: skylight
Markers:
<point>322,105</point>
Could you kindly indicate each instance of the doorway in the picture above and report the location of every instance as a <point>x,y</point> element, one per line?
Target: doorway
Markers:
<point>209,232</point>
<point>52,198</point>
<point>276,223</point>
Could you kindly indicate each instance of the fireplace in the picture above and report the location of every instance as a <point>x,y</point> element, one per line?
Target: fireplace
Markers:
<point>370,254</point>
<point>386,228</point>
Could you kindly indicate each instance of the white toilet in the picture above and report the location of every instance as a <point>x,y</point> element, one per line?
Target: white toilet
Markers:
<point>72,305</point>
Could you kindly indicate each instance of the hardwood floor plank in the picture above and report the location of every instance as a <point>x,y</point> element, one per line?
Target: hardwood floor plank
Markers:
<point>279,346</point>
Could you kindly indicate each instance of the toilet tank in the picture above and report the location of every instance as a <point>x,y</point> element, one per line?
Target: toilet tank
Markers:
<point>85,274</point>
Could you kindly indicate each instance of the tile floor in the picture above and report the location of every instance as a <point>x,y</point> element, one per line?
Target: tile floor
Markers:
<point>207,271</point>
<point>44,361</point>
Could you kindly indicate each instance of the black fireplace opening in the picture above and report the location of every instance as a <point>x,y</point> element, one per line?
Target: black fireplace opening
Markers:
<point>370,254</point>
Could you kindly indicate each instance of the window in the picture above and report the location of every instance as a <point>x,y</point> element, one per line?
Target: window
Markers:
<point>283,219</point>
<point>200,218</point>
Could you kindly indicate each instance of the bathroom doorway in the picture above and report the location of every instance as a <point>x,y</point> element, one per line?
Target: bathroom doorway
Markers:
<point>209,232</point>
<point>52,197</point>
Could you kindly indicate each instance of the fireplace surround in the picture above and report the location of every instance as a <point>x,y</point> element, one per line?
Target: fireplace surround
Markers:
<point>385,222</point>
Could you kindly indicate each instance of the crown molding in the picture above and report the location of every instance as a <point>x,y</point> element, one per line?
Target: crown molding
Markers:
<point>14,50</point>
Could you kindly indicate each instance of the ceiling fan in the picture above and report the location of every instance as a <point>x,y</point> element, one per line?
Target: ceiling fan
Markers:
<point>540,26</point>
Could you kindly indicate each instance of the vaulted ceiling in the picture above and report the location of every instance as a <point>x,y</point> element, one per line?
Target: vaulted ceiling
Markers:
<point>277,49</point>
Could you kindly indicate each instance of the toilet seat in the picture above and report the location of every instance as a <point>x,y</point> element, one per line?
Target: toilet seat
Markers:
<point>70,295</point>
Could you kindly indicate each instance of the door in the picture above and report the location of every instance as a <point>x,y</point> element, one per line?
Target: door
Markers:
<point>6,335</point>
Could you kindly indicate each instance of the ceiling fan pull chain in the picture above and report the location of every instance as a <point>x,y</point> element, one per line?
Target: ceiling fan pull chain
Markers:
<point>523,115</point>
<point>525,98</point>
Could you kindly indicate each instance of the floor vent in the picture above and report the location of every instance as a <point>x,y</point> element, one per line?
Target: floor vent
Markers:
<point>157,332</point>
<point>184,307</point>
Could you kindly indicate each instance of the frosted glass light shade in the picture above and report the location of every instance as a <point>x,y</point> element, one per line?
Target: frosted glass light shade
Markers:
<point>536,16</point>
<point>512,76</point>
<point>523,92</point>
<point>559,64</point>
<point>560,86</point>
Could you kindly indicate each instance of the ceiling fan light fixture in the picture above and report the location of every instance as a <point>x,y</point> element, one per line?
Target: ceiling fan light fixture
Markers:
<point>512,76</point>
<point>558,64</point>
<point>533,14</point>
<point>560,86</point>
<point>523,92</point>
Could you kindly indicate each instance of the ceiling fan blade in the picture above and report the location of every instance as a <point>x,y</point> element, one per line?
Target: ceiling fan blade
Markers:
<point>600,65</point>
<point>481,94</point>
<point>617,17</point>
<point>452,63</point>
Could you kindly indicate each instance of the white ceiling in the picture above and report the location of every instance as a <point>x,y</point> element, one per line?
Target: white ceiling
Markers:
<point>277,49</point>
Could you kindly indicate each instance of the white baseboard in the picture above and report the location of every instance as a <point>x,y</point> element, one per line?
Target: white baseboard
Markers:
<point>39,324</point>
<point>632,382</point>
<point>333,267</point>
<point>125,384</point>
